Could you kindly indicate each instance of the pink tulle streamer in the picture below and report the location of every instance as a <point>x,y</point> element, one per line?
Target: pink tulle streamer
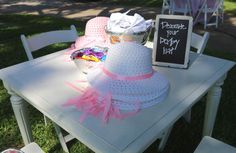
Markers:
<point>92,103</point>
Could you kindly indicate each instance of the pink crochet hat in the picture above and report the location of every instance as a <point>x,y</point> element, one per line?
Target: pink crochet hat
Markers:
<point>95,34</point>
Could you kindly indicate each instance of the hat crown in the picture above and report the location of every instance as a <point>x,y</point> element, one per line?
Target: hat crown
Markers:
<point>129,59</point>
<point>95,27</point>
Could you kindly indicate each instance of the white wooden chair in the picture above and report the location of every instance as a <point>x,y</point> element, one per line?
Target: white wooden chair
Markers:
<point>199,43</point>
<point>32,148</point>
<point>211,145</point>
<point>165,6</point>
<point>29,148</point>
<point>221,11</point>
<point>180,6</point>
<point>36,42</point>
<point>213,9</point>
<point>39,41</point>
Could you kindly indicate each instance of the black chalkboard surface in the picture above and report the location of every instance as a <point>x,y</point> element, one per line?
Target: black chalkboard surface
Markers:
<point>172,40</point>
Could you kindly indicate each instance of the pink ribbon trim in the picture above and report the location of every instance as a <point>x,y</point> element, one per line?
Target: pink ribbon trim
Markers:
<point>126,78</point>
<point>91,102</point>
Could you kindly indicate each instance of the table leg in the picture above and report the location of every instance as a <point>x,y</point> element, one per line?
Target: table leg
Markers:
<point>213,100</point>
<point>61,138</point>
<point>187,116</point>
<point>20,111</point>
<point>164,138</point>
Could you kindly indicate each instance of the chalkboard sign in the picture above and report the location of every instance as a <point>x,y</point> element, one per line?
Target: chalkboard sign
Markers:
<point>172,40</point>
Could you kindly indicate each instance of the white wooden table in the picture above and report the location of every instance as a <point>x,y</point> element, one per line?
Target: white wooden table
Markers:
<point>41,83</point>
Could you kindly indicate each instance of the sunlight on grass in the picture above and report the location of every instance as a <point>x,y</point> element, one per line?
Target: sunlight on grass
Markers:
<point>12,28</point>
<point>31,24</point>
<point>230,7</point>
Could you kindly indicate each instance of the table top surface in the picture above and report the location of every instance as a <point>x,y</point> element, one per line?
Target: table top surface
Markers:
<point>41,82</point>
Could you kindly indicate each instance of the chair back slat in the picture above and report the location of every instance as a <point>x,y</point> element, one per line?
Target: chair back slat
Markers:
<point>199,42</point>
<point>42,40</point>
<point>165,6</point>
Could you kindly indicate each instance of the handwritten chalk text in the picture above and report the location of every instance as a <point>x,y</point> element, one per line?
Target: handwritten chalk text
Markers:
<point>168,50</point>
<point>171,32</point>
<point>166,25</point>
<point>170,42</point>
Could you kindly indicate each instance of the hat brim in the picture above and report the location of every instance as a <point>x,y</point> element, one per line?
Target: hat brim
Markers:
<point>88,41</point>
<point>124,105</point>
<point>141,91</point>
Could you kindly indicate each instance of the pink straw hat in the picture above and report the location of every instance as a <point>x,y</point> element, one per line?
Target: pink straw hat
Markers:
<point>95,34</point>
<point>128,76</point>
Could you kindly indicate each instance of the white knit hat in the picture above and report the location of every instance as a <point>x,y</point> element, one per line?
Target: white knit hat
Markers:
<point>128,76</point>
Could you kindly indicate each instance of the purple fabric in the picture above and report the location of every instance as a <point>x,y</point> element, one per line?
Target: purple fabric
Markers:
<point>99,55</point>
<point>199,4</point>
<point>87,51</point>
<point>212,3</point>
<point>180,3</point>
<point>196,5</point>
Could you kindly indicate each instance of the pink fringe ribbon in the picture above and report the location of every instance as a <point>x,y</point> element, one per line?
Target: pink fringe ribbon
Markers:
<point>92,103</point>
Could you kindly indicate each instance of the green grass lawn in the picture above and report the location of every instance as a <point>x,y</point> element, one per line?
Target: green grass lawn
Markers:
<point>230,7</point>
<point>184,137</point>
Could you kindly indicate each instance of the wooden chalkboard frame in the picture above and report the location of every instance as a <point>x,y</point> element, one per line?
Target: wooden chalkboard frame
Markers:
<point>187,49</point>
